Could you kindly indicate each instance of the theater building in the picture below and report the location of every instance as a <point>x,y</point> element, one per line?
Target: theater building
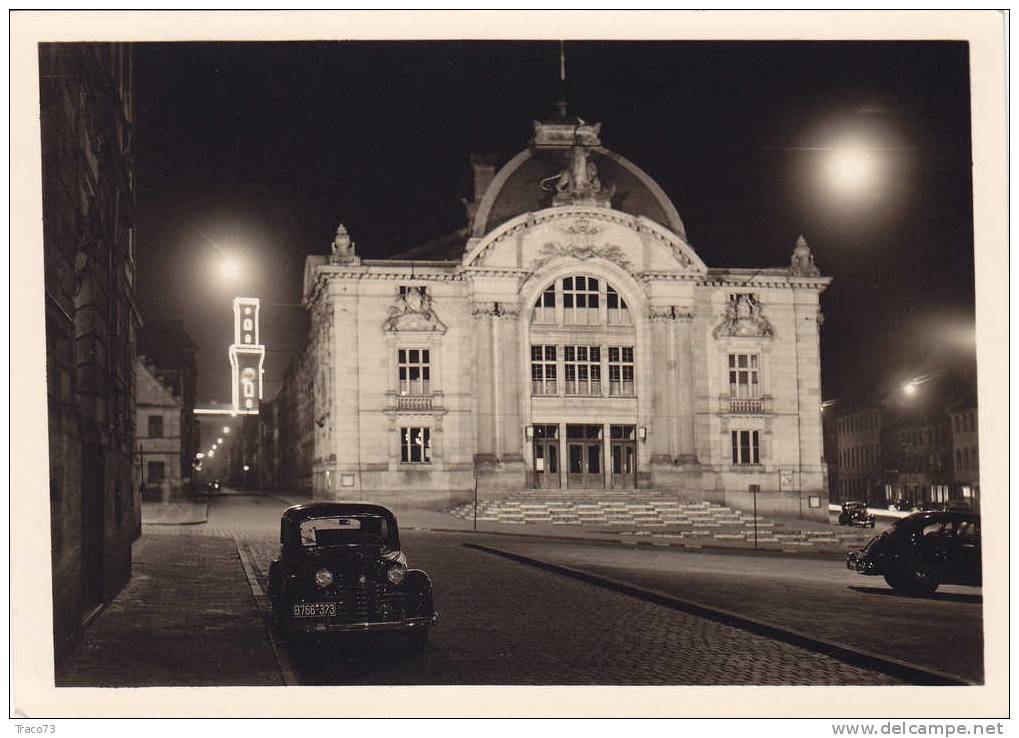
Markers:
<point>569,339</point>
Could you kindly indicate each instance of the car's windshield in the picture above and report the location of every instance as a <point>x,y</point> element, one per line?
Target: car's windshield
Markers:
<point>346,530</point>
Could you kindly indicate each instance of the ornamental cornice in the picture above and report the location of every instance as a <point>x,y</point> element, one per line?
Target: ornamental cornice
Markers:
<point>638,224</point>
<point>481,309</point>
<point>662,313</point>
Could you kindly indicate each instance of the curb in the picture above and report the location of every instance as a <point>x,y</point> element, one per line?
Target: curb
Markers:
<point>283,662</point>
<point>679,547</point>
<point>910,673</point>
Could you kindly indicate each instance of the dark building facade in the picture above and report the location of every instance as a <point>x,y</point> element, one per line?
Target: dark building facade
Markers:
<point>91,323</point>
<point>916,450</point>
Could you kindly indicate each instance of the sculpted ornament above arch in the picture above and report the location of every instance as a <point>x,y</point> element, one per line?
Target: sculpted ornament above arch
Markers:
<point>742,317</point>
<point>413,311</point>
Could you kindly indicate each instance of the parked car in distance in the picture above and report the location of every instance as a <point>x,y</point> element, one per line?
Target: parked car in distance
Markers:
<point>213,486</point>
<point>923,551</point>
<point>341,570</point>
<point>901,506</point>
<point>855,514</point>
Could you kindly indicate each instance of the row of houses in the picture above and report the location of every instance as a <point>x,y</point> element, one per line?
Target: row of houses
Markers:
<point>916,449</point>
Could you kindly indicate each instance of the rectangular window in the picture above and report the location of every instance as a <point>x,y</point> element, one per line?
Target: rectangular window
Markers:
<point>746,447</point>
<point>621,371</point>
<point>416,445</point>
<point>582,365</point>
<point>543,370</point>
<point>155,426</point>
<point>414,371</point>
<point>157,472</point>
<point>744,377</point>
<point>404,288</point>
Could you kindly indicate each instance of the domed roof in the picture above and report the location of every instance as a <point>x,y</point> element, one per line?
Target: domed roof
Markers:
<point>518,189</point>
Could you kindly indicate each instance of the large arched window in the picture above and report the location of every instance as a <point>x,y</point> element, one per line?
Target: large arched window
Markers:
<point>580,299</point>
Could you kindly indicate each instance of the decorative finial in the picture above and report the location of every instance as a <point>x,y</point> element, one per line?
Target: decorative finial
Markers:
<point>343,247</point>
<point>802,261</point>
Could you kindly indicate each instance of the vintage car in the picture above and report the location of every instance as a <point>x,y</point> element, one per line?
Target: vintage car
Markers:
<point>855,514</point>
<point>213,486</point>
<point>924,550</point>
<point>341,570</point>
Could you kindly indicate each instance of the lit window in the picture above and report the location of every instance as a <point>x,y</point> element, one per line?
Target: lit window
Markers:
<point>543,370</point>
<point>746,447</point>
<point>415,445</point>
<point>580,300</point>
<point>621,371</point>
<point>415,371</point>
<point>248,325</point>
<point>744,378</point>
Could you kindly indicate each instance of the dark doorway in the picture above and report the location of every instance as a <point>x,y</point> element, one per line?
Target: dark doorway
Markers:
<point>584,457</point>
<point>546,457</point>
<point>624,456</point>
<point>93,515</point>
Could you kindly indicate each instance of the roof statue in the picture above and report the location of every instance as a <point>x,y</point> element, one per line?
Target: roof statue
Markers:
<point>578,183</point>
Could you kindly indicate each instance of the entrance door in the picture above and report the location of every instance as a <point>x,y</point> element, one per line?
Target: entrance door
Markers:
<point>624,456</point>
<point>93,514</point>
<point>584,457</point>
<point>546,457</point>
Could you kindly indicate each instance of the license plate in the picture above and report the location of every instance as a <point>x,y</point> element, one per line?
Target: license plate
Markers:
<point>314,609</point>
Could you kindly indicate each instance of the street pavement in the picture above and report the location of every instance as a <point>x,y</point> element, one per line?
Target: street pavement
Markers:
<point>186,618</point>
<point>819,598</point>
<point>504,622</point>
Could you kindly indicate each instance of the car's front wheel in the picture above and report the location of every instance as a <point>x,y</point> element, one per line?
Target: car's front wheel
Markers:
<point>914,581</point>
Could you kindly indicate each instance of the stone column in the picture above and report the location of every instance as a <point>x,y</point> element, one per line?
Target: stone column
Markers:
<point>687,453</point>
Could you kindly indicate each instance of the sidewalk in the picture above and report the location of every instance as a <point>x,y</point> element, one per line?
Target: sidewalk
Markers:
<point>186,618</point>
<point>183,512</point>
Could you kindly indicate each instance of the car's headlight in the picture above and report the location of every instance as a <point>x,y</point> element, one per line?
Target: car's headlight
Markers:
<point>397,566</point>
<point>323,578</point>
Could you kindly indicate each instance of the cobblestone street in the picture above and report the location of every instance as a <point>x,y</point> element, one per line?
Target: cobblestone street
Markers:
<point>504,623</point>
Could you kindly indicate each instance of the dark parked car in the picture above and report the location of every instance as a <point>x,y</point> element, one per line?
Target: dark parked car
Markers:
<point>855,514</point>
<point>924,550</point>
<point>213,486</point>
<point>341,570</point>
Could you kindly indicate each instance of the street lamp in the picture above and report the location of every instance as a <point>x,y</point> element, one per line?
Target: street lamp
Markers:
<point>909,388</point>
<point>219,441</point>
<point>226,429</point>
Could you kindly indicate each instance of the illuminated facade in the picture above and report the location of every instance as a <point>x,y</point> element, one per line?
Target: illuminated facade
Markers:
<point>568,339</point>
<point>247,355</point>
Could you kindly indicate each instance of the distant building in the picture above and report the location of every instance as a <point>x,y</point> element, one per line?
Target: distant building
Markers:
<point>170,352</point>
<point>87,111</point>
<point>917,451</point>
<point>965,449</point>
<point>859,455</point>
<point>568,338</point>
<point>162,468</point>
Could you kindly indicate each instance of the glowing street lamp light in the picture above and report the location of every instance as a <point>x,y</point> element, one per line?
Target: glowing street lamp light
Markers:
<point>211,454</point>
<point>199,455</point>
<point>226,430</point>
<point>852,168</point>
<point>219,441</point>
<point>909,388</point>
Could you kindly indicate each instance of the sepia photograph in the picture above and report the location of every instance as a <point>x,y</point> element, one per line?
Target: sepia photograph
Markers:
<point>559,359</point>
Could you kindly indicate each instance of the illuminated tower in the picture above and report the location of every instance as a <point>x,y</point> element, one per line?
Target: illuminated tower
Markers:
<point>246,356</point>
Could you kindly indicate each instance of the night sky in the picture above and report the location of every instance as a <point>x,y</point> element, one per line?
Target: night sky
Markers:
<point>265,148</point>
